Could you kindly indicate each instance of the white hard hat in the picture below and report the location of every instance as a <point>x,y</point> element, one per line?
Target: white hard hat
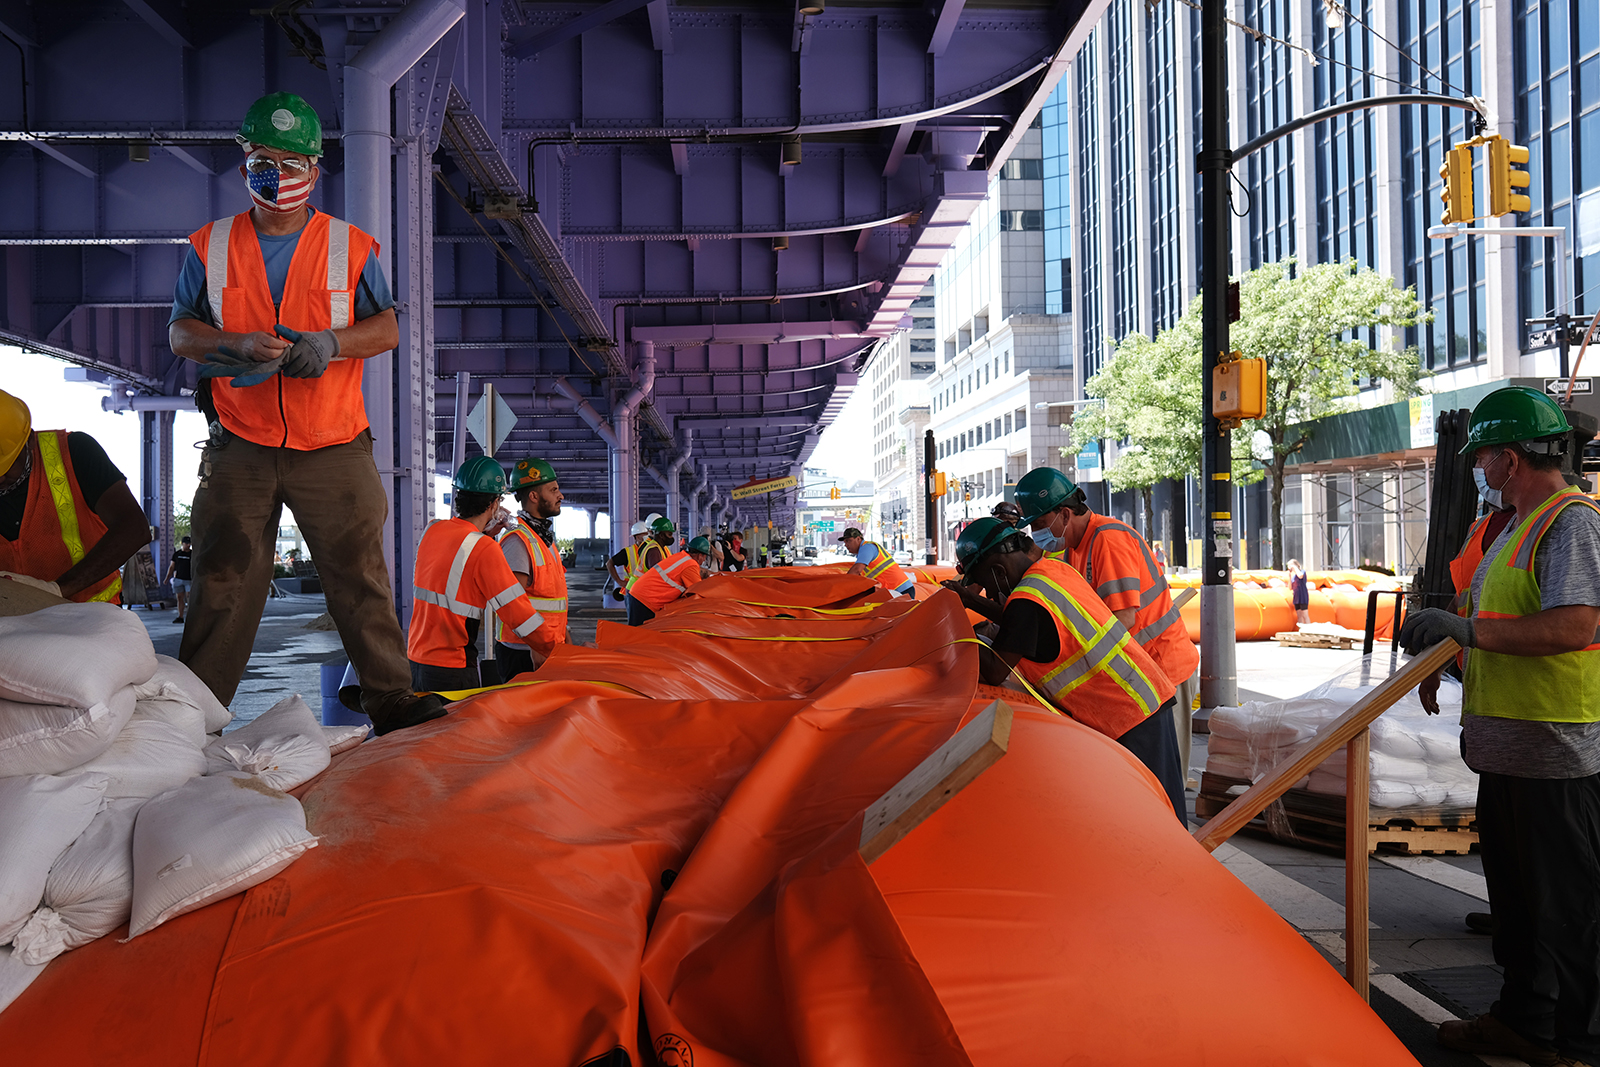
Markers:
<point>640,527</point>
<point>650,518</point>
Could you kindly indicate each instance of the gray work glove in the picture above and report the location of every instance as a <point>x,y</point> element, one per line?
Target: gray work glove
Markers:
<point>245,371</point>
<point>309,353</point>
<point>1426,628</point>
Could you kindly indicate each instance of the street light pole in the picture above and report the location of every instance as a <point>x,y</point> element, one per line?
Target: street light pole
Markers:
<point>1219,685</point>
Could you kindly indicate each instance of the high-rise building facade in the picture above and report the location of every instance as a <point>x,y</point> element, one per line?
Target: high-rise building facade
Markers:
<point>899,372</point>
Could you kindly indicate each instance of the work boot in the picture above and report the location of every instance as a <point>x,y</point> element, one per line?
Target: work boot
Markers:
<point>1480,922</point>
<point>413,711</point>
<point>1487,1035</point>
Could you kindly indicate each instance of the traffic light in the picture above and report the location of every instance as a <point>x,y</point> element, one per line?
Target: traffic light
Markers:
<point>1457,191</point>
<point>833,494</point>
<point>1505,174</point>
<point>941,487</point>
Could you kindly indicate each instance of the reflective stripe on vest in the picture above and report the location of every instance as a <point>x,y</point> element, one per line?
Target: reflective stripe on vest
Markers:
<point>634,560</point>
<point>1560,688</point>
<point>1101,648</point>
<point>666,572</point>
<point>882,562</point>
<point>448,599</point>
<point>60,485</point>
<point>554,609</point>
<point>1158,582</point>
<point>337,271</point>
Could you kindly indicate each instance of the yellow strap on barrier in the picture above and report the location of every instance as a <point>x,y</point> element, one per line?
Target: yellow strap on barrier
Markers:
<point>1017,675</point>
<point>453,695</point>
<point>734,637</point>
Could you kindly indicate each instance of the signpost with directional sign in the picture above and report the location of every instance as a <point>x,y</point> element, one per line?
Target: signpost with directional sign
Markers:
<point>760,488</point>
<point>490,423</point>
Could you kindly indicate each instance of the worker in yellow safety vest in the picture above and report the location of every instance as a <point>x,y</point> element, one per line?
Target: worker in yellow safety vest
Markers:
<point>1530,727</point>
<point>667,580</point>
<point>625,566</point>
<point>1061,637</point>
<point>529,544</point>
<point>874,561</point>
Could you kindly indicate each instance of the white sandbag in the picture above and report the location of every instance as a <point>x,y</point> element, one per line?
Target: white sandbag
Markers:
<point>344,738</point>
<point>208,839</point>
<point>40,815</point>
<point>90,889</point>
<point>176,683</point>
<point>1395,738</point>
<point>73,654</point>
<point>147,758</point>
<point>51,738</point>
<point>15,976</point>
<point>285,746</point>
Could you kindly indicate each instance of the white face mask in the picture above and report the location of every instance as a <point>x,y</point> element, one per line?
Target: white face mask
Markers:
<point>1493,497</point>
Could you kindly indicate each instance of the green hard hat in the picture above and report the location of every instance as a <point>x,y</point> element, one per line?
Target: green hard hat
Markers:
<point>1513,414</point>
<point>531,473</point>
<point>699,544</point>
<point>283,121</point>
<point>981,537</point>
<point>663,526</point>
<point>1043,489</point>
<point>480,474</point>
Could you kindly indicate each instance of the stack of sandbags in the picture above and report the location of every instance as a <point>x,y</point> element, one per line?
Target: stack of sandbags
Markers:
<point>105,815</point>
<point>1415,760</point>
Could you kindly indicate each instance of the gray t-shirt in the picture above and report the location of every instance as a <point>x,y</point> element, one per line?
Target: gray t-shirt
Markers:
<point>1567,568</point>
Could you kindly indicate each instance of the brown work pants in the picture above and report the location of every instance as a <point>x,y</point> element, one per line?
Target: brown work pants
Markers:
<point>339,505</point>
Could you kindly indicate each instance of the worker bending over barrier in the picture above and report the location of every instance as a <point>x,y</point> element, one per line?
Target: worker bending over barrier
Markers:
<point>529,544</point>
<point>67,519</point>
<point>663,532</point>
<point>1068,645</point>
<point>1122,570</point>
<point>874,561</point>
<point>667,580</point>
<point>462,576</point>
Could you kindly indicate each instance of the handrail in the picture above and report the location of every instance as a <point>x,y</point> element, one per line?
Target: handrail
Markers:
<point>1349,730</point>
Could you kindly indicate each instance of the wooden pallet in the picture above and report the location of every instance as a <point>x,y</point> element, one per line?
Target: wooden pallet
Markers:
<point>1318,819</point>
<point>1296,639</point>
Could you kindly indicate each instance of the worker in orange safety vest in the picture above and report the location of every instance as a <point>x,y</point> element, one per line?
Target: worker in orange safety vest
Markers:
<point>67,519</point>
<point>667,580</point>
<point>462,577</point>
<point>874,561</point>
<point>529,545</point>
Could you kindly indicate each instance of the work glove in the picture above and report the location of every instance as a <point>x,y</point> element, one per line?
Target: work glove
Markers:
<point>225,362</point>
<point>1427,627</point>
<point>27,579</point>
<point>309,353</point>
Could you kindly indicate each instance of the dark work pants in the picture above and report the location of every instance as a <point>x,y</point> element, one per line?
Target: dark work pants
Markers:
<point>638,613</point>
<point>512,660</point>
<point>338,503</point>
<point>1155,742</point>
<point>1540,839</point>
<point>428,678</point>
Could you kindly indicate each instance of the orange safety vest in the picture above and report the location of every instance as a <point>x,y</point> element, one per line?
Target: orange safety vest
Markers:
<point>884,570</point>
<point>666,581</point>
<point>1101,676</point>
<point>1124,568</point>
<point>1465,567</point>
<point>58,526</point>
<point>461,574</point>
<point>546,589</point>
<point>319,294</point>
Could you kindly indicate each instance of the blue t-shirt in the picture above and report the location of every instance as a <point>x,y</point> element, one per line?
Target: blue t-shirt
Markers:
<point>189,299</point>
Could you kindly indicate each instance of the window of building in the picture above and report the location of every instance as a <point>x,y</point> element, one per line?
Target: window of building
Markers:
<point>964,338</point>
<point>1022,170</point>
<point>1005,361</point>
<point>949,349</point>
<point>1008,430</point>
<point>1022,418</point>
<point>922,344</point>
<point>920,323</point>
<point>922,302</point>
<point>980,324</point>
<point>1026,219</point>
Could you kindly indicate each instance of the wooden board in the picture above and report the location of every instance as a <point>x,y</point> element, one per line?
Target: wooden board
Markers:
<point>1295,639</point>
<point>950,769</point>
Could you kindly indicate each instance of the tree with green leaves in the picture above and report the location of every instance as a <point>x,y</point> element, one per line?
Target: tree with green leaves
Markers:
<point>1314,328</point>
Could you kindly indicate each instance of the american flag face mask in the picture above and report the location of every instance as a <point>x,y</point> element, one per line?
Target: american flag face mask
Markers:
<point>278,187</point>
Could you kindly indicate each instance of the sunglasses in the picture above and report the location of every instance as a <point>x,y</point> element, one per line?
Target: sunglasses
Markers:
<point>262,164</point>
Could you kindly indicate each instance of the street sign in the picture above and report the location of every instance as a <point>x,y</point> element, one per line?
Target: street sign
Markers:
<point>1422,431</point>
<point>499,416</point>
<point>1089,458</point>
<point>1558,386</point>
<point>825,525</point>
<point>761,488</point>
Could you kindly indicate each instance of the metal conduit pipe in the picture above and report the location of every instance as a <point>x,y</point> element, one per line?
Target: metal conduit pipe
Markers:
<point>674,484</point>
<point>123,402</point>
<point>624,455</point>
<point>586,411</point>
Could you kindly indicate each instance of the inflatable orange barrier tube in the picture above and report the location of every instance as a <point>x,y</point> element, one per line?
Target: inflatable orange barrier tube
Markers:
<point>489,886</point>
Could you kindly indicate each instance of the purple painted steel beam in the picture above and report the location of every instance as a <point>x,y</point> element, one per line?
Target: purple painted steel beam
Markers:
<point>522,44</point>
<point>166,18</point>
<point>660,26</point>
<point>944,26</point>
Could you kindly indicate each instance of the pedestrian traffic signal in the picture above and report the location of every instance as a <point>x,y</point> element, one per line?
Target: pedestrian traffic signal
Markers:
<point>1506,161</point>
<point>1457,191</point>
<point>941,485</point>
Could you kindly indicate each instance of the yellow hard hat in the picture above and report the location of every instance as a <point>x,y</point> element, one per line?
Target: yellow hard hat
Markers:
<point>16,422</point>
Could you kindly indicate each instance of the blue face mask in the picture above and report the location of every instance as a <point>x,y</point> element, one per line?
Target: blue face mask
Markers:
<point>1493,497</point>
<point>1048,541</point>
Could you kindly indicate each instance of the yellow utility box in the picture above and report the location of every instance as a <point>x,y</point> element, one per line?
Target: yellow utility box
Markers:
<point>1239,388</point>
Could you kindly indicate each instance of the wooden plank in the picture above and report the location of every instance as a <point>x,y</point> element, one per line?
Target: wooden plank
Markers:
<point>1184,597</point>
<point>1313,752</point>
<point>1356,947</point>
<point>936,779</point>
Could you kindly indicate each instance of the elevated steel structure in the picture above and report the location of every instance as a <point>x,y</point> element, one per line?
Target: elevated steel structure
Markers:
<point>669,234</point>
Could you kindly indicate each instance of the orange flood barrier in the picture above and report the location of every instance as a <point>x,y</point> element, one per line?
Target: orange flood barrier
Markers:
<point>489,886</point>
<point>1261,610</point>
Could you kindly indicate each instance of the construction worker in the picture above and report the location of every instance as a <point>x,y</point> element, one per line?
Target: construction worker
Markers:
<point>625,566</point>
<point>1124,573</point>
<point>1007,512</point>
<point>528,542</point>
<point>874,561</point>
<point>663,532</point>
<point>1069,645</point>
<point>668,580</point>
<point>67,519</point>
<point>1530,727</point>
<point>283,304</point>
<point>462,577</point>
